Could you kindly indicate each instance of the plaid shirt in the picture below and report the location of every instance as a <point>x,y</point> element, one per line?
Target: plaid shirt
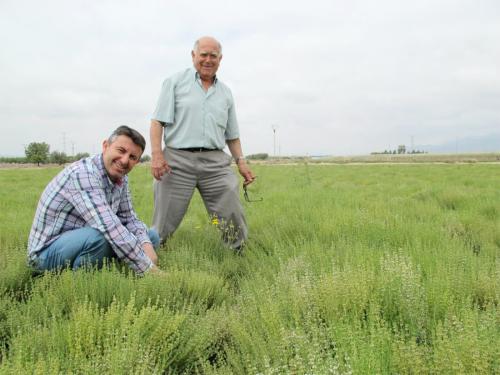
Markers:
<point>82,195</point>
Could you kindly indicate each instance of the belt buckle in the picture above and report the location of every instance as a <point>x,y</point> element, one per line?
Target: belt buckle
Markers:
<point>197,149</point>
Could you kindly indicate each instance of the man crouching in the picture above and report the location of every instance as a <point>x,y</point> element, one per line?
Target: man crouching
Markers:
<point>85,213</point>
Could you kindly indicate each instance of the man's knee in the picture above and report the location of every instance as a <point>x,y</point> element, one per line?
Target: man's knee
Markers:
<point>95,239</point>
<point>95,249</point>
<point>154,237</point>
<point>94,245</point>
<point>84,242</point>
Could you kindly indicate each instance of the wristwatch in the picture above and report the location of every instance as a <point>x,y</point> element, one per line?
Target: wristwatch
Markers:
<point>238,159</point>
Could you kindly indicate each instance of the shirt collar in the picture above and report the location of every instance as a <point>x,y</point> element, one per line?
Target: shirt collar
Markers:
<point>197,77</point>
<point>99,162</point>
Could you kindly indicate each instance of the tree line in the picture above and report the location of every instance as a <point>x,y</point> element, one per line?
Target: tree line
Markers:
<point>39,153</point>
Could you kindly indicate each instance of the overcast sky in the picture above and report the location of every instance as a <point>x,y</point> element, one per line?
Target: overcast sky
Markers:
<point>334,77</point>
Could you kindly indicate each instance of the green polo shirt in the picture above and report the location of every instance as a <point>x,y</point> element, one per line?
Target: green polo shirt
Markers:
<point>193,117</point>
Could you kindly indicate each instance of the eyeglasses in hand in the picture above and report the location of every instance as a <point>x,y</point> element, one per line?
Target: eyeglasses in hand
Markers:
<point>247,198</point>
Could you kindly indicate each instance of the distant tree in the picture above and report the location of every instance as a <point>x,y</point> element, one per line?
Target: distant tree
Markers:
<point>261,156</point>
<point>145,158</point>
<point>58,157</point>
<point>401,149</point>
<point>13,159</point>
<point>37,152</point>
<point>80,155</point>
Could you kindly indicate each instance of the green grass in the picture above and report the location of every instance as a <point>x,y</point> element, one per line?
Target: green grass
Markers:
<point>349,269</point>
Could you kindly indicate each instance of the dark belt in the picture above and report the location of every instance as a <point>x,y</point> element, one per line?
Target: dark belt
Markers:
<point>198,149</point>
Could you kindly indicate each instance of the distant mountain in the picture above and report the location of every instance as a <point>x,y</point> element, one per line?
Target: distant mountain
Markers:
<point>487,143</point>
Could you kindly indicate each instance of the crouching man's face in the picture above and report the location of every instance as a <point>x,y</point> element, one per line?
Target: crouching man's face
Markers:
<point>120,156</point>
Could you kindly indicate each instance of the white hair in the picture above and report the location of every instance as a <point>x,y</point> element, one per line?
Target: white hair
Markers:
<point>197,43</point>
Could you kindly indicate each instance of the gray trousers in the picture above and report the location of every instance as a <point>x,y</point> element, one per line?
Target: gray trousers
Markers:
<point>211,173</point>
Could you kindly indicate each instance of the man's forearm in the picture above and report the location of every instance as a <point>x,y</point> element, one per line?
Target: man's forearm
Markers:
<point>156,133</point>
<point>234,146</point>
<point>150,252</point>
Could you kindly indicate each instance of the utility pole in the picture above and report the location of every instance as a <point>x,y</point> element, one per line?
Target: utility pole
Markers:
<point>64,142</point>
<point>274,127</point>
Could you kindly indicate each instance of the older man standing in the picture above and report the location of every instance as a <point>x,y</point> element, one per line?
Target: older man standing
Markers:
<point>196,116</point>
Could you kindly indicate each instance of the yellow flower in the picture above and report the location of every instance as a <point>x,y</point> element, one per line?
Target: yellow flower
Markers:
<point>215,221</point>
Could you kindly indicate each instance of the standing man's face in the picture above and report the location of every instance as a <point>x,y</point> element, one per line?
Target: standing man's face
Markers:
<point>206,58</point>
<point>120,157</point>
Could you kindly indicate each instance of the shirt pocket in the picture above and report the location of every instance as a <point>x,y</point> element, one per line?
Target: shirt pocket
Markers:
<point>220,117</point>
<point>219,112</point>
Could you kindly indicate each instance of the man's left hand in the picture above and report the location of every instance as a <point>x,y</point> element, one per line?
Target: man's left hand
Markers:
<point>246,173</point>
<point>150,252</point>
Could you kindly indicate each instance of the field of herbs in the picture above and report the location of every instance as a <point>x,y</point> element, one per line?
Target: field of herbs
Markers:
<point>362,269</point>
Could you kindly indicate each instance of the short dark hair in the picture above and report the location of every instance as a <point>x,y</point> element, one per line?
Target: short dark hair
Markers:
<point>134,135</point>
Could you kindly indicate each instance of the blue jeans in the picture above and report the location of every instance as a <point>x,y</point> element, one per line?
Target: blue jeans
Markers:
<point>79,247</point>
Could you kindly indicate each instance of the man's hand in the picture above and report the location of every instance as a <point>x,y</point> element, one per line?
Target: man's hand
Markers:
<point>156,271</point>
<point>246,173</point>
<point>150,252</point>
<point>159,166</point>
